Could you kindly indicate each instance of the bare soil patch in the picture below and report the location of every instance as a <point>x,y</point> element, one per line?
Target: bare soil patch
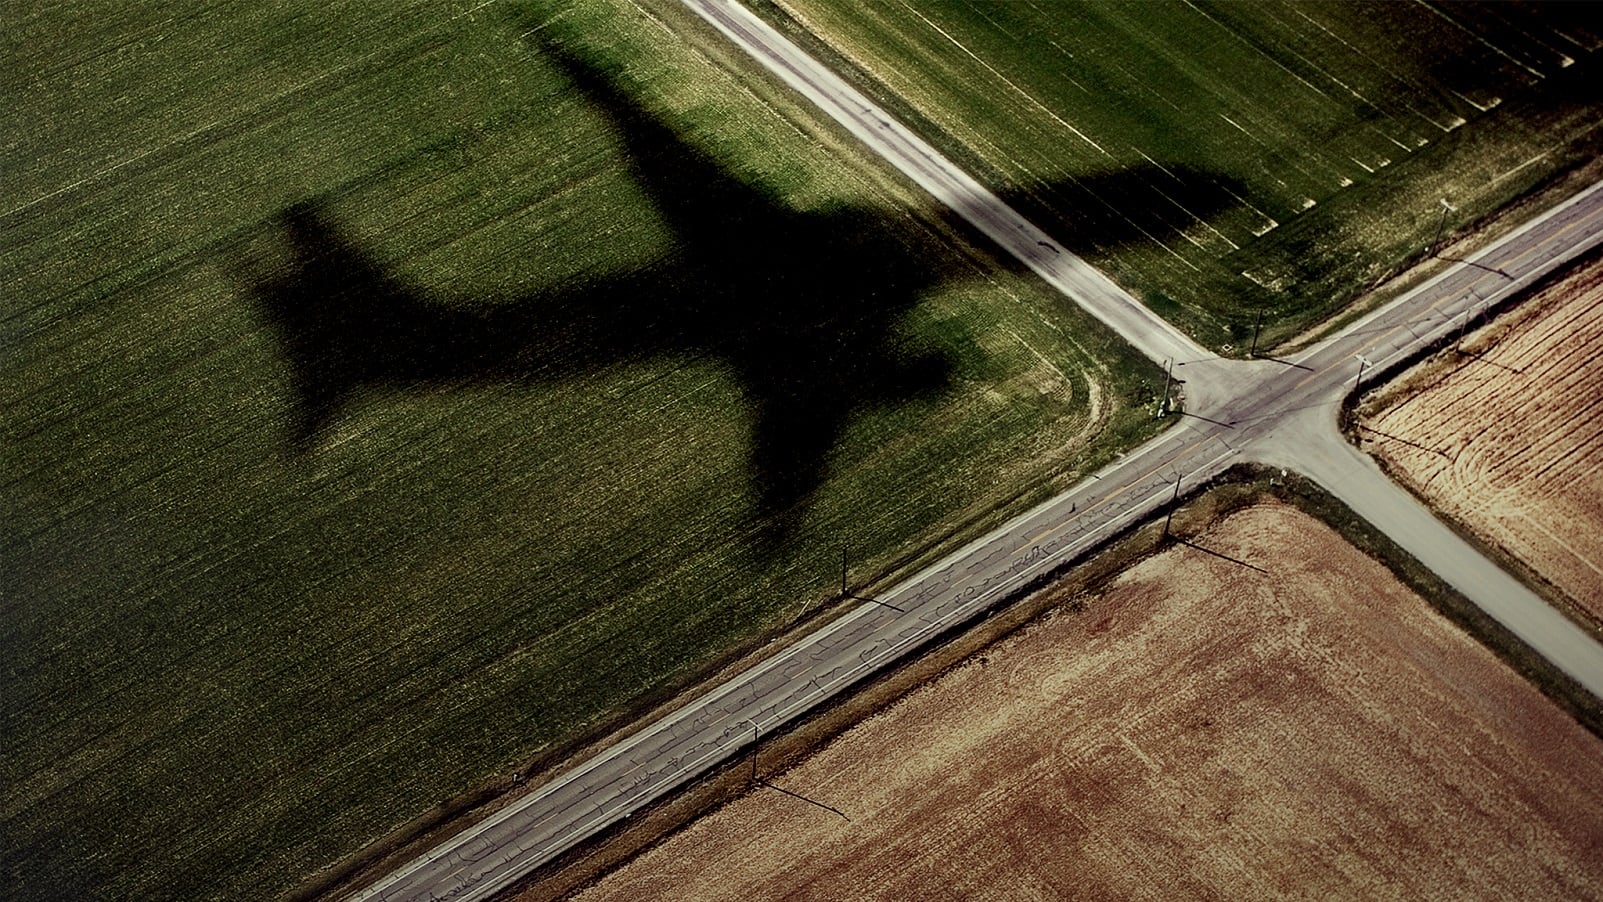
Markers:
<point>1506,435</point>
<point>1201,729</point>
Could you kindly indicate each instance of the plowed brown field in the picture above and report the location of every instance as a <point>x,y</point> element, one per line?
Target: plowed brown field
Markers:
<point>1200,730</point>
<point>1508,437</point>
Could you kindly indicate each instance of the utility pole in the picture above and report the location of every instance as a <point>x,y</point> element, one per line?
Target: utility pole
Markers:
<point>1163,408</point>
<point>758,781</point>
<point>1362,362</point>
<point>1469,311</point>
<point>1441,224</point>
<point>1253,351</point>
<point>846,592</point>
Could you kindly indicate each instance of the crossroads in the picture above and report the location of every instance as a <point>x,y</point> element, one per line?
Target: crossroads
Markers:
<point>1278,412</point>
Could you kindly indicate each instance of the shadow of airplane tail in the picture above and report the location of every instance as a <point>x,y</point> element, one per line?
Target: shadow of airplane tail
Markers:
<point>346,327</point>
<point>327,310</point>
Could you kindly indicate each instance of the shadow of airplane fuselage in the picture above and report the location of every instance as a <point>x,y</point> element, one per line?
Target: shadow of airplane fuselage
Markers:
<point>803,308</point>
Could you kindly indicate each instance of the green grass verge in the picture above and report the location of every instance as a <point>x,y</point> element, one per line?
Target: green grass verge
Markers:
<point>1227,160</point>
<point>224,664</point>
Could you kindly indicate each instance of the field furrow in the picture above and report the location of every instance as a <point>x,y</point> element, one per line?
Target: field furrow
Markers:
<point>1315,139</point>
<point>1519,421</point>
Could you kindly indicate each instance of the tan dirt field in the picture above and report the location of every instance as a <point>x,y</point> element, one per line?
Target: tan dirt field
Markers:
<point>1200,730</point>
<point>1508,438</point>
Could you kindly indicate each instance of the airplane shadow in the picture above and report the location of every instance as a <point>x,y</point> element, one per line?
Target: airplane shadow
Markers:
<point>804,308</point>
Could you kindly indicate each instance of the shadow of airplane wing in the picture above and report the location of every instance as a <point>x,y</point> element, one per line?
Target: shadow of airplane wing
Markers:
<point>348,327</point>
<point>804,308</point>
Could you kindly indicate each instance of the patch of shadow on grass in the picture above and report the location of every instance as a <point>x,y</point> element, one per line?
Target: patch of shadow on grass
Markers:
<point>804,308</point>
<point>1098,212</point>
<point>52,866</point>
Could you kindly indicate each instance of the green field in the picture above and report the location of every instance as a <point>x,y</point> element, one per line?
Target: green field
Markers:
<point>395,394</point>
<point>1269,156</point>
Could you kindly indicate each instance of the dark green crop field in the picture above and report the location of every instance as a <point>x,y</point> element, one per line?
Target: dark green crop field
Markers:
<point>1226,159</point>
<point>396,392</point>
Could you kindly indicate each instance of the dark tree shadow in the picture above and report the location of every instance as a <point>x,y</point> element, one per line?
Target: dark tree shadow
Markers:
<point>803,307</point>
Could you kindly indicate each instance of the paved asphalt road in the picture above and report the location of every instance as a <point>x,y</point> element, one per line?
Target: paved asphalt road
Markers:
<point>950,185</point>
<point>1279,412</point>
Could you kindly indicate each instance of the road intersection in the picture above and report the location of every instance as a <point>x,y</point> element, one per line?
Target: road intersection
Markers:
<point>1279,412</point>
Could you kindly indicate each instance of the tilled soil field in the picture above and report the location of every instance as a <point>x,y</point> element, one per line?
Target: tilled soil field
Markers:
<point>1202,729</point>
<point>1506,435</point>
